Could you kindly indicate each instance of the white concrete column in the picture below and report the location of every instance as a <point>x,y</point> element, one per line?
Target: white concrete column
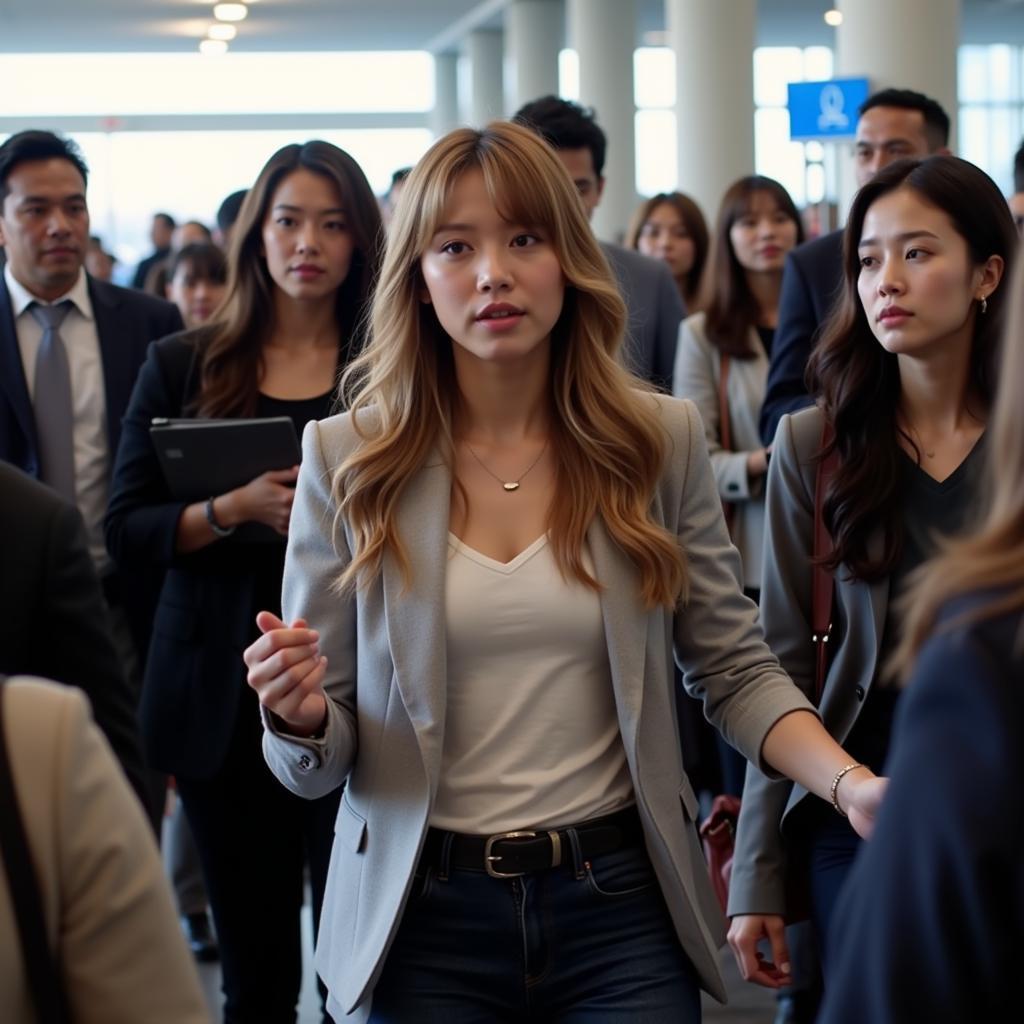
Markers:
<point>907,45</point>
<point>714,47</point>
<point>534,33</point>
<point>481,94</point>
<point>445,115</point>
<point>603,33</point>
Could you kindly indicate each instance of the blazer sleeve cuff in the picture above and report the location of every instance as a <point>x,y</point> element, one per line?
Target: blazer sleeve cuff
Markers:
<point>768,705</point>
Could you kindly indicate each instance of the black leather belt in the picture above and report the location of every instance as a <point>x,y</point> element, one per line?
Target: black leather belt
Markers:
<point>511,854</point>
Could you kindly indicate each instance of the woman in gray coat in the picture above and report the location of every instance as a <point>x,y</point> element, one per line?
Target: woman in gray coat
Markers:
<point>499,546</point>
<point>905,372</point>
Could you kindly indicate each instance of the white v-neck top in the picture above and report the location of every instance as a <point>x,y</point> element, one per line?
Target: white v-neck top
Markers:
<point>531,733</point>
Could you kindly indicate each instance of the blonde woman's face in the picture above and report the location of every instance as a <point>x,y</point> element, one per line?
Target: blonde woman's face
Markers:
<point>496,287</point>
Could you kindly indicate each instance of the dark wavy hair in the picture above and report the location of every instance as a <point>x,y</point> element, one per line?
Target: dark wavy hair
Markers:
<point>730,307</point>
<point>232,349</point>
<point>859,381</point>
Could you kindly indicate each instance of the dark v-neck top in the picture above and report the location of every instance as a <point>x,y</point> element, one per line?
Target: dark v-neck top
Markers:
<point>932,510</point>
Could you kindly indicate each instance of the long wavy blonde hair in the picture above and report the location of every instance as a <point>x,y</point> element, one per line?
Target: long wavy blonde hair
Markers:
<point>992,558</point>
<point>607,439</point>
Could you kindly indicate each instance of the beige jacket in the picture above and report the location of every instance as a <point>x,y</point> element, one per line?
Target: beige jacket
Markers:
<point>107,906</point>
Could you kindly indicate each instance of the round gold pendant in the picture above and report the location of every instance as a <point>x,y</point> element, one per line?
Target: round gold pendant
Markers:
<point>512,485</point>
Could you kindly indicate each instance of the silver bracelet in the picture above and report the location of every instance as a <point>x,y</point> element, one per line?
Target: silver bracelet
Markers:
<point>833,792</point>
<point>220,531</point>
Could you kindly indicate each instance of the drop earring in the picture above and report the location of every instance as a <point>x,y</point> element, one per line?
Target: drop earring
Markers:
<point>984,305</point>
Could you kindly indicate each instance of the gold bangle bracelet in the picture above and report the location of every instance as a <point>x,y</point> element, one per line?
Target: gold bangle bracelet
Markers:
<point>833,792</point>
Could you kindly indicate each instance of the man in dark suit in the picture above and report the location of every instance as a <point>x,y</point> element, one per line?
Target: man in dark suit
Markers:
<point>892,124</point>
<point>52,620</point>
<point>70,348</point>
<point>652,299</point>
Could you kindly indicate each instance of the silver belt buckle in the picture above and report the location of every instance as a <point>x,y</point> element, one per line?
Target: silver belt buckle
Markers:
<point>490,858</point>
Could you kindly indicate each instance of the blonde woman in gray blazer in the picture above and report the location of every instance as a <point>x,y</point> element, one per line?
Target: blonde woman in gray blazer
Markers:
<point>494,434</point>
<point>757,226</point>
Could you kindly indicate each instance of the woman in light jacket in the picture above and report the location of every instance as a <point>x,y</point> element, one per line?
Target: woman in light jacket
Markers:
<point>498,547</point>
<point>757,225</point>
<point>906,377</point>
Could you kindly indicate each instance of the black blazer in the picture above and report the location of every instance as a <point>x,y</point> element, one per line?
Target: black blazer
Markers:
<point>930,921</point>
<point>126,322</point>
<point>194,676</point>
<point>53,622</point>
<point>811,283</point>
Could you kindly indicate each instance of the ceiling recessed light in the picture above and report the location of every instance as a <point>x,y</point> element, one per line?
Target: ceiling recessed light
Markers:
<point>222,31</point>
<point>213,47</point>
<point>230,12</point>
<point>834,18</point>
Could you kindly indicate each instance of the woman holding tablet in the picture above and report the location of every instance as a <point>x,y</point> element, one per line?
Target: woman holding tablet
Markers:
<point>498,546</point>
<point>305,250</point>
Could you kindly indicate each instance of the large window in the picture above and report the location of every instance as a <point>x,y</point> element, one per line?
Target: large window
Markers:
<point>990,83</point>
<point>178,132</point>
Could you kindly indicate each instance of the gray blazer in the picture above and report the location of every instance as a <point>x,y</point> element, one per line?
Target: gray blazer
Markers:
<point>697,376</point>
<point>655,309</point>
<point>386,688</point>
<point>759,874</point>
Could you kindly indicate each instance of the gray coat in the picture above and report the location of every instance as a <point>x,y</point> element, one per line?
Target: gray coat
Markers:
<point>386,684</point>
<point>697,376</point>
<point>759,874</point>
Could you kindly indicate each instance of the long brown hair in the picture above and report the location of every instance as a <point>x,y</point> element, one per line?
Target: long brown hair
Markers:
<point>696,228</point>
<point>230,359</point>
<point>730,306</point>
<point>859,381</point>
<point>609,444</point>
<point>992,559</point>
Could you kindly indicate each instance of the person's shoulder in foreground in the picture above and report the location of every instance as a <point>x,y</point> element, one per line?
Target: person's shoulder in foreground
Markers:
<point>930,924</point>
<point>108,908</point>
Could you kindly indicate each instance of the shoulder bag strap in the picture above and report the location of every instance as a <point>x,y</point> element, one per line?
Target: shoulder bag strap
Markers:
<point>822,582</point>
<point>41,968</point>
<point>725,428</point>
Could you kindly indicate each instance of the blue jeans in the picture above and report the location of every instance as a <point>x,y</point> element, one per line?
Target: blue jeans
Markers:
<point>586,943</point>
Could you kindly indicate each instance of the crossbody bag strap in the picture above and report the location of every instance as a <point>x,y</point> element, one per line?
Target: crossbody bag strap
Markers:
<point>725,427</point>
<point>44,978</point>
<point>822,581</point>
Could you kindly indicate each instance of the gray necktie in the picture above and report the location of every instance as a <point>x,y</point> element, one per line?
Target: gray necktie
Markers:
<point>52,402</point>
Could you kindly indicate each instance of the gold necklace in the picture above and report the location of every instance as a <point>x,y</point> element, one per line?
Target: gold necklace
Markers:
<point>508,485</point>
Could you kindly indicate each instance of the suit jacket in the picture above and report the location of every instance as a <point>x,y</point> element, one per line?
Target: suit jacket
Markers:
<point>811,283</point>
<point>146,265</point>
<point>53,622</point>
<point>105,901</point>
<point>384,737</point>
<point>697,376</point>
<point>759,874</point>
<point>195,675</point>
<point>929,923</point>
<point>655,310</point>
<point>126,322</point>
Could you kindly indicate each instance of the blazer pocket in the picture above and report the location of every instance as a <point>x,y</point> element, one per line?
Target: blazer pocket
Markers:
<point>689,800</point>
<point>350,828</point>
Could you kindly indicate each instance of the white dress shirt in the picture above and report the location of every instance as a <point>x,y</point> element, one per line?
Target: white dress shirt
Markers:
<point>85,363</point>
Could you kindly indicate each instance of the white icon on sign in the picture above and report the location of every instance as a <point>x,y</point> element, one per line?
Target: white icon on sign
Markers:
<point>832,114</point>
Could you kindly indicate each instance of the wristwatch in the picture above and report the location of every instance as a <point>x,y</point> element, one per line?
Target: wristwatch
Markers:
<point>211,518</point>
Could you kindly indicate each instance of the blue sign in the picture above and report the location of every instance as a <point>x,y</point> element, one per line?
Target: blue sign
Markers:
<point>825,110</point>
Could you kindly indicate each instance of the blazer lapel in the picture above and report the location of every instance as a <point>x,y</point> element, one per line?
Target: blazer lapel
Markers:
<point>415,615</point>
<point>626,623</point>
<point>117,367</point>
<point>12,373</point>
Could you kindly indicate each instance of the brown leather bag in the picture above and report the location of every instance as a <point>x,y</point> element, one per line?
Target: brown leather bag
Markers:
<point>718,830</point>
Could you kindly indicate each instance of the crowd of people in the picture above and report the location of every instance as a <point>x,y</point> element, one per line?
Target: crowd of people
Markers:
<point>366,667</point>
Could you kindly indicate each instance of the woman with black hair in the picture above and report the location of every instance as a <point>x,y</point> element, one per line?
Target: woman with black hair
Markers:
<point>303,255</point>
<point>905,374</point>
